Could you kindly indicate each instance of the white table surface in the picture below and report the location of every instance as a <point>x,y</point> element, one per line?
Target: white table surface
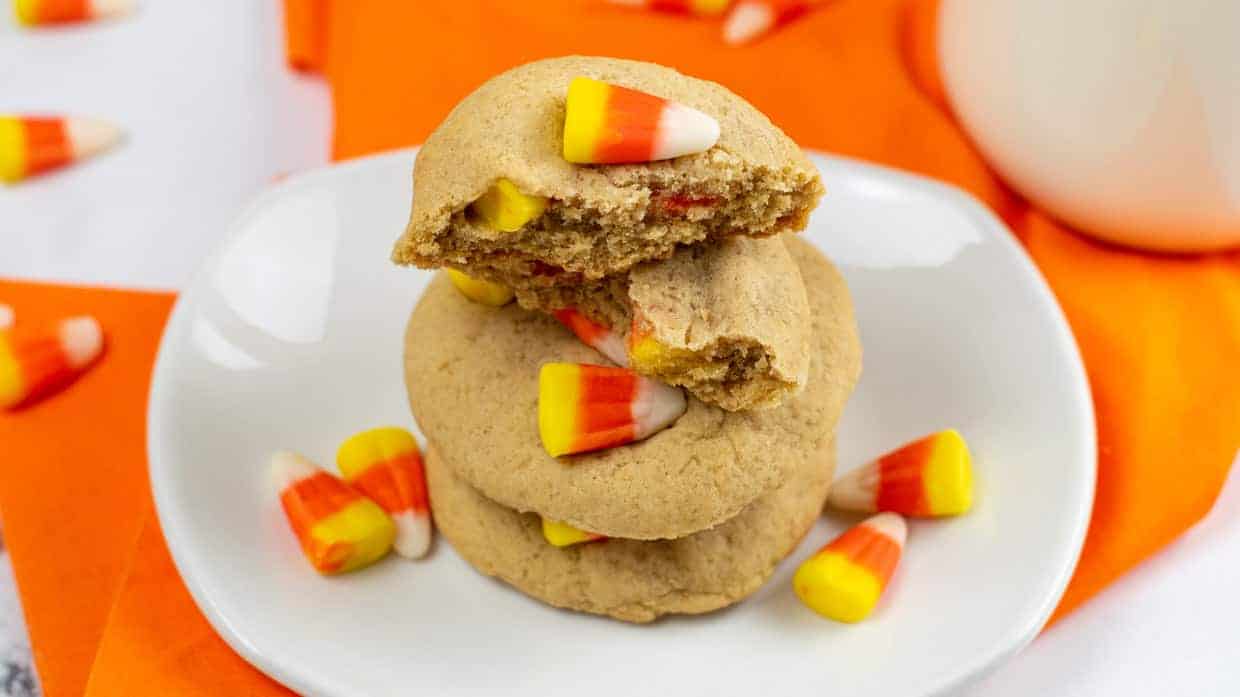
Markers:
<point>213,115</point>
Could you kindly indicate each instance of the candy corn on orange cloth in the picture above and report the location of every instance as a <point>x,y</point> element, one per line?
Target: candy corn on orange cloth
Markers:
<point>1160,336</point>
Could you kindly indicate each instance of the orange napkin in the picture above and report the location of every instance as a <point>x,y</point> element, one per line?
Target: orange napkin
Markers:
<point>73,488</point>
<point>1160,335</point>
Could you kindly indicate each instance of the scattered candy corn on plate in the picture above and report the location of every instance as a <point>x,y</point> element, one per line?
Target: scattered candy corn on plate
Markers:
<point>290,339</point>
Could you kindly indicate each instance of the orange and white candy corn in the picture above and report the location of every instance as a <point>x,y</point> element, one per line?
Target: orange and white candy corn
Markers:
<point>6,316</point>
<point>595,335</point>
<point>31,145</point>
<point>339,529</point>
<point>38,12</point>
<point>590,407</point>
<point>33,364</point>
<point>480,291</point>
<point>844,580</point>
<point>750,19</point>
<point>932,476</point>
<point>704,8</point>
<point>565,535</point>
<point>610,124</point>
<point>386,465</point>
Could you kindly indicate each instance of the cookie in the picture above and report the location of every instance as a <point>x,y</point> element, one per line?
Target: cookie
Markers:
<point>567,224</point>
<point>630,580</point>
<point>472,375</point>
<point>729,322</point>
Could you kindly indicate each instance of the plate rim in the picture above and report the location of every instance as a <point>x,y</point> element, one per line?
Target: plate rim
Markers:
<point>952,679</point>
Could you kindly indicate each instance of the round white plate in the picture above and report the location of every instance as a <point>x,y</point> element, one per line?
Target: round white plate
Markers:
<point>290,337</point>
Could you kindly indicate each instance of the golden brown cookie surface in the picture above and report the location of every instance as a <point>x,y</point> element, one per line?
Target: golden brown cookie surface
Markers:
<point>631,580</point>
<point>600,220</point>
<point>472,375</point>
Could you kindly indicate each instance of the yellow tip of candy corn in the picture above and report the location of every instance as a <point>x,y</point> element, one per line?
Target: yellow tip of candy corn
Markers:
<point>845,579</point>
<point>480,291</point>
<point>505,208</point>
<point>12,150</point>
<point>564,535</point>
<point>558,396</point>
<point>949,475</point>
<point>363,450</point>
<point>836,588</point>
<point>356,536</point>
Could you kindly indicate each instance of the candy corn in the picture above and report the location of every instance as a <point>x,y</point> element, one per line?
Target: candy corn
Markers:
<point>932,476</point>
<point>505,208</point>
<point>646,353</point>
<point>844,580</point>
<point>31,145</point>
<point>36,12</point>
<point>590,407</point>
<point>6,316</point>
<point>602,339</point>
<point>705,8</point>
<point>386,465</point>
<point>339,529</point>
<point>564,535</point>
<point>751,19</point>
<point>480,291</point>
<point>608,124</point>
<point>35,364</point>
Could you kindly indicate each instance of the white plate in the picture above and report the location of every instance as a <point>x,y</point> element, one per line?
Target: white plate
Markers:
<point>291,338</point>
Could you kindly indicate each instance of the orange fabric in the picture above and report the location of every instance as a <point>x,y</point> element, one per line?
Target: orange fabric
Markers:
<point>159,645</point>
<point>73,488</point>
<point>1160,335</point>
<point>305,36</point>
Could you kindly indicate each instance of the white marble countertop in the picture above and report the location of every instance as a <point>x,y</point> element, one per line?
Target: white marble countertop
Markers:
<point>213,115</point>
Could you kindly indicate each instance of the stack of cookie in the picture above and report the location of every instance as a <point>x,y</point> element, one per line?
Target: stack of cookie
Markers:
<point>677,269</point>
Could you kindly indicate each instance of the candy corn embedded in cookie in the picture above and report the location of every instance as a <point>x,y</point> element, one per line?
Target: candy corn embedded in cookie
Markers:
<point>704,8</point>
<point>564,535</point>
<point>932,476</point>
<point>38,12</point>
<point>595,335</point>
<point>590,407</point>
<point>610,124</point>
<point>480,291</point>
<point>750,19</point>
<point>505,208</point>
<point>31,145</point>
<point>36,363</point>
<point>339,529</point>
<point>385,464</point>
<point>845,579</point>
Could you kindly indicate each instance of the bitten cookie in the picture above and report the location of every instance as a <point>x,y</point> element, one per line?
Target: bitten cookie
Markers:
<point>632,580</point>
<point>472,374</point>
<point>555,223</point>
